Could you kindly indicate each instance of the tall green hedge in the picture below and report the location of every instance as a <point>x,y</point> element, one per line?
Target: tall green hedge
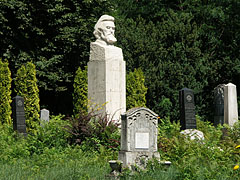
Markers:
<point>26,86</point>
<point>80,92</point>
<point>135,89</point>
<point>5,93</point>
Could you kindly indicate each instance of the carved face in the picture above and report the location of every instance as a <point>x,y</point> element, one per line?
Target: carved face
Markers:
<point>108,30</point>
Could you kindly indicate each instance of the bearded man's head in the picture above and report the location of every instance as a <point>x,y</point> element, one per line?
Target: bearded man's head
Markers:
<point>104,29</point>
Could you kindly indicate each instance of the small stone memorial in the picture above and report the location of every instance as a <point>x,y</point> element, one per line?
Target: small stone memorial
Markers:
<point>230,104</point>
<point>219,104</point>
<point>19,115</point>
<point>138,137</point>
<point>187,109</point>
<point>44,115</point>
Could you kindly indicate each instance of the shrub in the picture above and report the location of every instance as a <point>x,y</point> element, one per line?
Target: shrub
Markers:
<point>5,93</point>
<point>136,89</point>
<point>49,135</point>
<point>80,94</point>
<point>94,130</point>
<point>26,86</point>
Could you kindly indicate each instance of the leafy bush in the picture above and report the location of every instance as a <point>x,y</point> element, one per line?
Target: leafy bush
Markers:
<point>49,135</point>
<point>136,90</point>
<point>80,92</point>
<point>5,93</point>
<point>94,130</point>
<point>26,86</point>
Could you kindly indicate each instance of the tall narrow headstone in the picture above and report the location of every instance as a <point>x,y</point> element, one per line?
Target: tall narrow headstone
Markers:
<point>19,115</point>
<point>139,130</point>
<point>106,71</point>
<point>219,104</point>
<point>230,104</point>
<point>44,115</point>
<point>187,109</point>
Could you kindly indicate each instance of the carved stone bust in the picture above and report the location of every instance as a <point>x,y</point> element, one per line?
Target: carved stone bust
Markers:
<point>104,31</point>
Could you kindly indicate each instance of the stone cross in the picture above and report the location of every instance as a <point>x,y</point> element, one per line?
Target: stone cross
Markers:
<point>187,109</point>
<point>230,104</point>
<point>19,115</point>
<point>106,71</point>
<point>139,130</point>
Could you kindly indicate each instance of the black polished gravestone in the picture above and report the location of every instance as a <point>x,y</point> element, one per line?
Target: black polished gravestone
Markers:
<point>219,104</point>
<point>187,109</point>
<point>19,115</point>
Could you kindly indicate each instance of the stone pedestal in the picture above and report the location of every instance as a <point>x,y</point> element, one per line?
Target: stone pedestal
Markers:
<point>107,80</point>
<point>139,130</point>
<point>230,104</point>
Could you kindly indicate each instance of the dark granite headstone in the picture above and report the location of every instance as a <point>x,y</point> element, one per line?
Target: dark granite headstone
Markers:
<point>19,115</point>
<point>219,104</point>
<point>187,109</point>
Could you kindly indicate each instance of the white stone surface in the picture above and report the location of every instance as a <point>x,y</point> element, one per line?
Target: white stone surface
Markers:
<point>230,104</point>
<point>44,115</point>
<point>139,131</point>
<point>193,134</point>
<point>106,72</point>
<point>142,141</point>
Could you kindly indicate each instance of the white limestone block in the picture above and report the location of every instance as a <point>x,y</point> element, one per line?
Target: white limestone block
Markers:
<point>230,104</point>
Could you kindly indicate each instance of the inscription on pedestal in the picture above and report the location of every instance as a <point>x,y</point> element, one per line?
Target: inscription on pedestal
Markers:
<point>187,109</point>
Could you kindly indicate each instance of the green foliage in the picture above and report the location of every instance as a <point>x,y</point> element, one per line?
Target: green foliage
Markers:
<point>80,92</point>
<point>49,135</point>
<point>189,44</point>
<point>135,89</point>
<point>94,130</point>
<point>26,86</point>
<point>5,93</point>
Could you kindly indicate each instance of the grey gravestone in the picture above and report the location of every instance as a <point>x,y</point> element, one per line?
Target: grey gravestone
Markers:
<point>187,109</point>
<point>139,130</point>
<point>44,115</point>
<point>219,104</point>
<point>19,115</point>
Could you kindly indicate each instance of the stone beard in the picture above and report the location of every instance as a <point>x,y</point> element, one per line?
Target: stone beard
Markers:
<point>104,30</point>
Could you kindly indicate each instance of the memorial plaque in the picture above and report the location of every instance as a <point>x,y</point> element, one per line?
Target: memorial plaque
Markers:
<point>139,130</point>
<point>142,140</point>
<point>19,115</point>
<point>187,109</point>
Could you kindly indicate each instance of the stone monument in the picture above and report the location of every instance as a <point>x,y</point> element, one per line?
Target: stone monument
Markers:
<point>138,137</point>
<point>230,104</point>
<point>107,71</point>
<point>219,104</point>
<point>19,115</point>
<point>187,109</point>
<point>44,115</point>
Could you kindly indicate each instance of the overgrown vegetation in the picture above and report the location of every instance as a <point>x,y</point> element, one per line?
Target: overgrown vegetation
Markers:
<point>52,152</point>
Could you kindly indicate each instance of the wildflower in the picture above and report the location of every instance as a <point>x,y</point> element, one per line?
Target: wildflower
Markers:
<point>238,146</point>
<point>236,167</point>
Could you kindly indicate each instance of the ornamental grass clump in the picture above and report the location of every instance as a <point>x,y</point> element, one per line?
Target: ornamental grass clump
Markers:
<point>94,130</point>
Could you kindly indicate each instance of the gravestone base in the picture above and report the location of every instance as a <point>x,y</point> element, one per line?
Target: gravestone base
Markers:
<point>138,158</point>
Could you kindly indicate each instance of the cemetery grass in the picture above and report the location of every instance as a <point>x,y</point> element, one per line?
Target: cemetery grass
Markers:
<point>47,154</point>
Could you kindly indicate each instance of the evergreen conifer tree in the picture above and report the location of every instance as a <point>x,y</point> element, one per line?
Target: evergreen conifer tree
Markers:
<point>26,86</point>
<point>5,93</point>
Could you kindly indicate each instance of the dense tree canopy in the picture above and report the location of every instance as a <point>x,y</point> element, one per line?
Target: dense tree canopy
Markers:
<point>177,43</point>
